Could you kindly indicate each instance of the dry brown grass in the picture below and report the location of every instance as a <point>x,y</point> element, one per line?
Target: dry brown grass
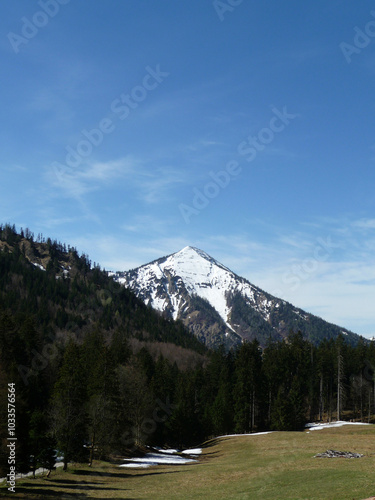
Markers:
<point>273,466</point>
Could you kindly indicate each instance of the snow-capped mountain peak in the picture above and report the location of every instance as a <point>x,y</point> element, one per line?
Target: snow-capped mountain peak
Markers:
<point>192,286</point>
<point>162,283</point>
<point>213,302</point>
<point>190,253</point>
<point>196,267</point>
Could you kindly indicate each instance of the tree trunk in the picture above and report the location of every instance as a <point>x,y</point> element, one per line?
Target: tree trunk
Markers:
<point>369,404</point>
<point>361,397</point>
<point>253,412</point>
<point>321,398</point>
<point>92,449</point>
<point>339,384</point>
<point>269,407</point>
<point>330,401</point>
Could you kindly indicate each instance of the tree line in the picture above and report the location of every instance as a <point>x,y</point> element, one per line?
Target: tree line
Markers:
<point>96,398</point>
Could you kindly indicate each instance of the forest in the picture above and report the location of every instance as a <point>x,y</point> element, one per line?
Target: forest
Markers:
<point>97,374</point>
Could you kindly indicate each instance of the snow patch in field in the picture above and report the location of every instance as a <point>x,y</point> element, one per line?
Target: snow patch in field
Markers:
<point>157,459</point>
<point>253,434</point>
<point>339,423</point>
<point>38,472</point>
<point>138,466</point>
<point>170,451</point>
<point>193,451</point>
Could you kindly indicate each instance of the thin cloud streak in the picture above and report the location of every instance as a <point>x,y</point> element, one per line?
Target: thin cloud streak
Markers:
<point>150,184</point>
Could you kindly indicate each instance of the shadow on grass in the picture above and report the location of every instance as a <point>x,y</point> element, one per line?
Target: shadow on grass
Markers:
<point>30,490</point>
<point>64,488</point>
<point>122,475</point>
<point>212,453</point>
<point>45,493</point>
<point>211,442</point>
<point>83,472</point>
<point>69,484</point>
<point>64,483</point>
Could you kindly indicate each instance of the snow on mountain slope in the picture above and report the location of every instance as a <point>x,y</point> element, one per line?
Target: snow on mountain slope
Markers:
<point>217,305</point>
<point>195,271</point>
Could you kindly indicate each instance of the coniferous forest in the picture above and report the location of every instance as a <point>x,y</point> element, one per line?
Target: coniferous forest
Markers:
<point>97,374</point>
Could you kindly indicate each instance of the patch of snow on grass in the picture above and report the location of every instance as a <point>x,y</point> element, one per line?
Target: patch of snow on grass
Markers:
<point>38,472</point>
<point>193,451</point>
<point>251,434</point>
<point>339,423</point>
<point>171,451</point>
<point>138,466</point>
<point>157,459</point>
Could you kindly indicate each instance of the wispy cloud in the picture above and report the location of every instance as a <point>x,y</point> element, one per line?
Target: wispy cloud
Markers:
<point>153,187</point>
<point>75,183</point>
<point>365,224</point>
<point>150,184</point>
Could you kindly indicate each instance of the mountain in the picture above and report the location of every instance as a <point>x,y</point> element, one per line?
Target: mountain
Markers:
<point>66,294</point>
<point>218,306</point>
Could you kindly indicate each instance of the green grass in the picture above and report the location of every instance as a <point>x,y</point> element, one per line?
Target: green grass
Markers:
<point>273,466</point>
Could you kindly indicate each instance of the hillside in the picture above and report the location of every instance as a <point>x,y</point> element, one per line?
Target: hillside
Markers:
<point>65,295</point>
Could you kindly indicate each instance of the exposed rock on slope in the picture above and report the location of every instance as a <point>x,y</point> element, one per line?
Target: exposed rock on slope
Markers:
<point>217,305</point>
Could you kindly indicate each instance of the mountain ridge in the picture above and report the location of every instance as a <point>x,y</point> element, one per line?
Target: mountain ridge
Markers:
<point>210,301</point>
<point>192,286</point>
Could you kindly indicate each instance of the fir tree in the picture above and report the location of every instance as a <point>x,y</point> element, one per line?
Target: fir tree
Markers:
<point>68,405</point>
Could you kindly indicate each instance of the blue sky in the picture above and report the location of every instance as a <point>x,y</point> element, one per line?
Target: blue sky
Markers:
<point>132,129</point>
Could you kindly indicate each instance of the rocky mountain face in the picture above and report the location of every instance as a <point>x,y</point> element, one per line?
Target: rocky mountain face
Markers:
<point>218,306</point>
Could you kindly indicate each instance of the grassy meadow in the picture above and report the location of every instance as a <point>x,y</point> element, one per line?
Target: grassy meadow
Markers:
<point>272,466</point>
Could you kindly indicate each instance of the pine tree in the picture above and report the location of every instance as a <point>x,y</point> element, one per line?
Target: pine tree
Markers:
<point>281,411</point>
<point>163,389</point>
<point>185,425</point>
<point>100,376</point>
<point>217,393</point>
<point>248,364</point>
<point>120,349</point>
<point>37,437</point>
<point>340,376</point>
<point>325,367</point>
<point>47,457</point>
<point>68,405</point>
<point>136,403</point>
<point>290,376</point>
